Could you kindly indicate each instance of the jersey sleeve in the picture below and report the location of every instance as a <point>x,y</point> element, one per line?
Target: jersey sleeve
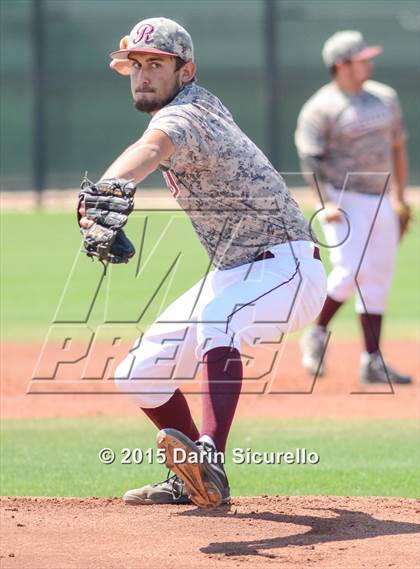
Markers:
<point>172,125</point>
<point>180,126</point>
<point>310,135</point>
<point>398,130</point>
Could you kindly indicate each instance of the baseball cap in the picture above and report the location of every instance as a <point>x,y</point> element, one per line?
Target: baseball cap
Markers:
<point>347,44</point>
<point>157,35</point>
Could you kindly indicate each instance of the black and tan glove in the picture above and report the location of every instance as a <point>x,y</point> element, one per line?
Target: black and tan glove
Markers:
<point>107,204</point>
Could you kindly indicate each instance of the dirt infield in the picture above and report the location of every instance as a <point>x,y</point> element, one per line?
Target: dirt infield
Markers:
<point>322,532</point>
<point>288,391</point>
<point>159,198</point>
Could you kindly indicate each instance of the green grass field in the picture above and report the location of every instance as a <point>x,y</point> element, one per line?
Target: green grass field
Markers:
<point>46,280</point>
<point>59,457</point>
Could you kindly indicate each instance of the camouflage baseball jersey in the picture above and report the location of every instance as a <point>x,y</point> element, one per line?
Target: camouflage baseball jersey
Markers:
<point>238,203</point>
<point>352,135</point>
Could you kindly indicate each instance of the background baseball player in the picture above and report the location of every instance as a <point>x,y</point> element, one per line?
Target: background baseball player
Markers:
<point>268,277</point>
<point>351,136</point>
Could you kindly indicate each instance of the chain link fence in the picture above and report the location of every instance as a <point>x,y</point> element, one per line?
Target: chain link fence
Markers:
<point>63,111</point>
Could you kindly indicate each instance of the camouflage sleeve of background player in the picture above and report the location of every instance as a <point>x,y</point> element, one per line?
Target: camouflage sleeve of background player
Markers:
<point>398,130</point>
<point>310,140</point>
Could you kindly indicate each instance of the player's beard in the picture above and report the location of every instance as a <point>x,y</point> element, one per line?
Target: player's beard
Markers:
<point>153,104</point>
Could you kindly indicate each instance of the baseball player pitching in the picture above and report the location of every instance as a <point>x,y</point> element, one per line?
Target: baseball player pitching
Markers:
<point>267,278</point>
<point>350,134</point>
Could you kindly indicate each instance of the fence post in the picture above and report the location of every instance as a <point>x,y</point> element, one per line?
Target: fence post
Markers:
<point>271,77</point>
<point>39,99</point>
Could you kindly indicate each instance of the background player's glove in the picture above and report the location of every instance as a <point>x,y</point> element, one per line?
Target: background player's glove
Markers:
<point>122,66</point>
<point>108,203</point>
<point>404,214</point>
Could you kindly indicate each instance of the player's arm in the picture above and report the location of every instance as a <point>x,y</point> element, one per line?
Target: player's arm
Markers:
<point>142,158</point>
<point>310,139</point>
<point>400,167</point>
<point>137,162</point>
<point>311,170</point>
<point>312,173</point>
<point>400,164</point>
<point>399,153</point>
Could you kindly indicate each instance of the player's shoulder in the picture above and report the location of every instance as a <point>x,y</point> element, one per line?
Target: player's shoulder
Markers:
<point>380,90</point>
<point>193,100</point>
<point>324,100</point>
<point>181,102</point>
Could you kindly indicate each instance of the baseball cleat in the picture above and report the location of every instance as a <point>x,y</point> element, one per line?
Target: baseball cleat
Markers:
<point>373,370</point>
<point>199,465</point>
<point>313,345</point>
<point>169,491</point>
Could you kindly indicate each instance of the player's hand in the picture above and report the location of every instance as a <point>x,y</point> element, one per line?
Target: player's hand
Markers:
<point>404,215</point>
<point>84,221</point>
<point>331,212</point>
<point>102,211</point>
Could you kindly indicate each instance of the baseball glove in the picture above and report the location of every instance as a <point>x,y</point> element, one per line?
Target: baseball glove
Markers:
<point>108,203</point>
<point>404,215</point>
<point>122,66</point>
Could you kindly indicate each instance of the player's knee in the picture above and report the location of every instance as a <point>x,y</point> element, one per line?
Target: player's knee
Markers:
<point>122,374</point>
<point>372,299</point>
<point>146,393</point>
<point>342,283</point>
<point>213,324</point>
<point>211,313</point>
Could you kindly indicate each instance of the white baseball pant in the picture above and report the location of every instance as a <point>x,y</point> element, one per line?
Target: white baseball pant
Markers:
<point>252,302</point>
<point>366,250</point>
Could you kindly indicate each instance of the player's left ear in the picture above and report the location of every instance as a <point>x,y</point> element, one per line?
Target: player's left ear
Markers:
<point>187,72</point>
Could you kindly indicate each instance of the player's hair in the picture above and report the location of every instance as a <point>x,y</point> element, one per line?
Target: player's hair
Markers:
<point>333,70</point>
<point>179,62</point>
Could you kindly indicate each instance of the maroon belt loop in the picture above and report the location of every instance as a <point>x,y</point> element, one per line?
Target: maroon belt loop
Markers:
<point>264,255</point>
<point>269,255</point>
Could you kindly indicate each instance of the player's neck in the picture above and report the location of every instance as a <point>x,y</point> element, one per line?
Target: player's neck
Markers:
<point>349,87</point>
